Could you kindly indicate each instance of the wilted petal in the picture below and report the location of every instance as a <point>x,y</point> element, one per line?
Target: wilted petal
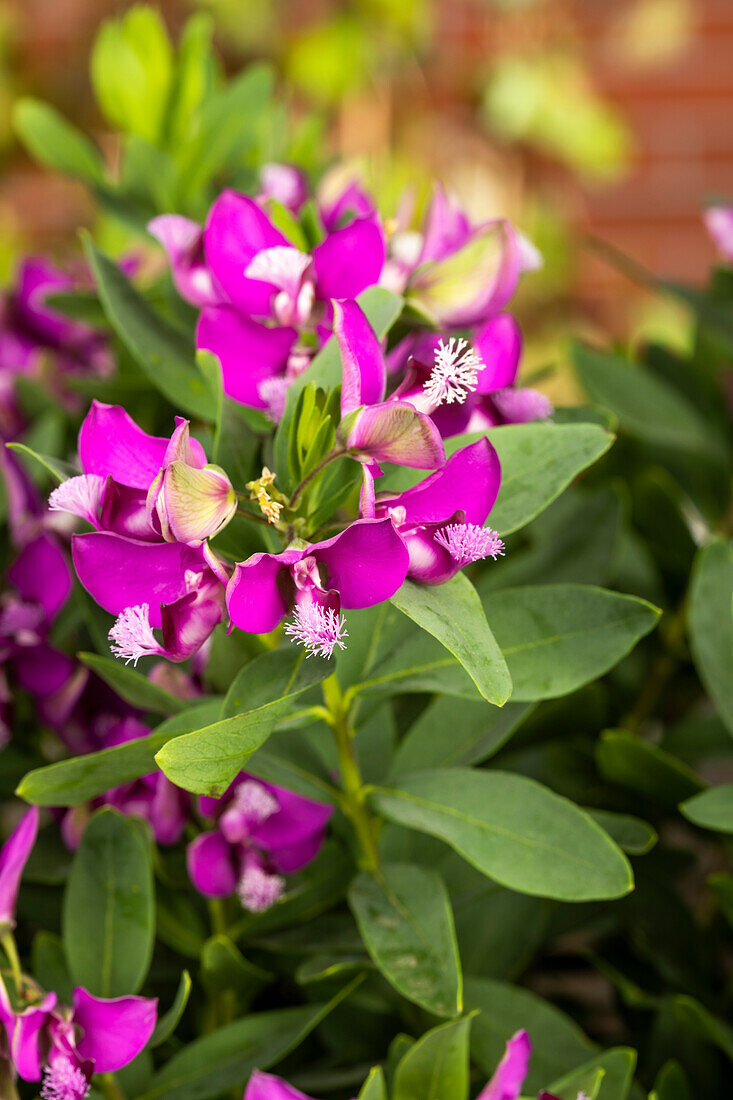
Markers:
<point>506,1084</point>
<point>395,432</point>
<point>366,563</point>
<point>349,259</point>
<point>499,346</point>
<point>183,240</point>
<point>363,365</point>
<point>111,443</point>
<point>13,858</point>
<point>210,866</point>
<point>236,230</point>
<point>469,481</point>
<point>40,575</point>
<point>466,287</point>
<point>263,1086</point>
<point>248,352</point>
<point>113,1031</point>
<point>119,572</point>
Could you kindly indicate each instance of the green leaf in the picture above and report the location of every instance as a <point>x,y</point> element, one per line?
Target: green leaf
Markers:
<point>58,469</point>
<point>134,687</point>
<point>457,731</point>
<point>512,829</point>
<point>375,1086</point>
<point>538,461</point>
<point>109,913</point>
<point>165,355</point>
<point>631,762</point>
<point>436,1065</point>
<point>616,1068</point>
<point>207,760</point>
<point>168,1022</point>
<point>382,308</point>
<point>647,408</point>
<point>711,809</point>
<point>223,1060</point>
<point>558,1044</point>
<point>452,613</point>
<point>555,638</point>
<point>711,624</point>
<point>49,967</point>
<point>224,969</point>
<point>671,1084</point>
<point>55,143</point>
<point>631,834</point>
<point>405,919</point>
<point>71,782</point>
<point>702,1023</point>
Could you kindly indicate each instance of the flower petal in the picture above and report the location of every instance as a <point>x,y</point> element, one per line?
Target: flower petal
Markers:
<point>210,865</point>
<point>255,601</point>
<point>395,431</point>
<point>499,346</point>
<point>24,1045</point>
<point>13,858</point>
<point>114,1031</point>
<point>40,574</point>
<point>349,259</point>
<point>469,481</point>
<point>183,241</point>
<point>293,835</point>
<point>236,230</point>
<point>111,443</point>
<point>188,622</point>
<point>363,364</point>
<point>446,227</point>
<point>719,224</point>
<point>263,1086</point>
<point>506,1084</point>
<point>248,352</point>
<point>366,563</point>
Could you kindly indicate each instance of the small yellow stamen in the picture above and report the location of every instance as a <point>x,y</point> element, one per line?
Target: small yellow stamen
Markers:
<point>258,491</point>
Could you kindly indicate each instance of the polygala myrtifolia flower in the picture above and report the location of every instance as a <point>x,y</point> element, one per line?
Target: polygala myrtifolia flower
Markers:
<point>152,501</point>
<point>459,274</point>
<point>13,858</point>
<point>64,1046</point>
<point>262,833</point>
<point>359,567</point>
<point>265,304</point>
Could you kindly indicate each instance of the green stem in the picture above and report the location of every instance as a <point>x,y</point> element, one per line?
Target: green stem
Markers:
<point>353,800</point>
<point>337,452</point>
<point>109,1087</point>
<point>7,942</point>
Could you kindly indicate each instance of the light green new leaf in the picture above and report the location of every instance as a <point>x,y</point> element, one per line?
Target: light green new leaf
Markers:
<point>452,613</point>
<point>55,143</point>
<point>164,354</point>
<point>712,809</point>
<point>375,1087</point>
<point>436,1065</point>
<point>512,829</point>
<point>609,1076</point>
<point>711,624</point>
<point>555,638</point>
<point>109,911</point>
<point>56,467</point>
<point>558,1044</point>
<point>405,919</point>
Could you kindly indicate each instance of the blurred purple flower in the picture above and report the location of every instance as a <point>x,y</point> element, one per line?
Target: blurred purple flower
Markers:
<point>506,1084</point>
<point>262,833</point>
<point>263,1086</point>
<point>285,184</point>
<point>13,858</point>
<point>719,223</point>
<point>361,566</point>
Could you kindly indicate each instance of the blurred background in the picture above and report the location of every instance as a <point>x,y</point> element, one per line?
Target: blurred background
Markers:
<point>577,118</point>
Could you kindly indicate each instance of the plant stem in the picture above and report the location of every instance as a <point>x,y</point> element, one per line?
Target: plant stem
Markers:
<point>109,1087</point>
<point>334,454</point>
<point>353,800</point>
<point>7,942</point>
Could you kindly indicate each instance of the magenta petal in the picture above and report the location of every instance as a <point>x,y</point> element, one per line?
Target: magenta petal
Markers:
<point>189,621</point>
<point>255,600</point>
<point>24,1046</point>
<point>210,866</point>
<point>363,364</point>
<point>349,259</point>
<point>123,512</point>
<point>351,202</point>
<point>469,481</point>
<point>41,669</point>
<point>248,352</point>
<point>183,241</point>
<point>13,858</point>
<point>285,184</point>
<point>110,442</point>
<point>119,572</point>
<point>499,346</point>
<point>263,1086</point>
<point>519,405</point>
<point>395,431</point>
<point>114,1031</point>
<point>40,574</point>
<point>719,223</point>
<point>366,563</point>
<point>294,834</point>
<point>236,230</point>
<point>506,1084</point>
<point>446,227</point>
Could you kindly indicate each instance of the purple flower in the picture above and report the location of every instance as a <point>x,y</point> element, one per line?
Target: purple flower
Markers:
<point>719,223</point>
<point>506,1084</point>
<point>470,386</point>
<point>140,491</point>
<point>441,520</point>
<point>285,184</point>
<point>66,1046</point>
<point>153,797</point>
<point>359,567</point>
<point>262,833</point>
<point>263,1086</point>
<point>13,858</point>
<point>459,274</point>
<point>258,294</point>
